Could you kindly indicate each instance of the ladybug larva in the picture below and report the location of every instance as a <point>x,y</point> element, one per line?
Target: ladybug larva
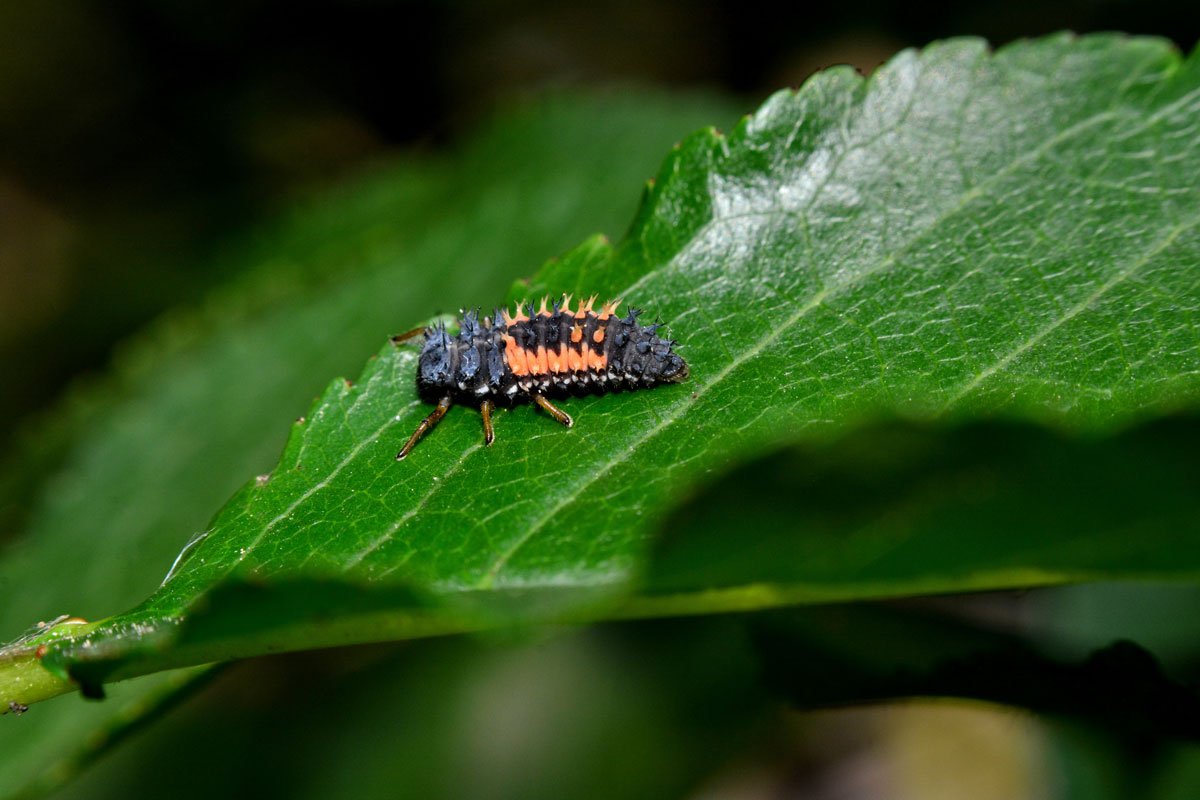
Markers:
<point>555,351</point>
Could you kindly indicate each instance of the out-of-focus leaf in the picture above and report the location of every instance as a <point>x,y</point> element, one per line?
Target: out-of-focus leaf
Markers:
<point>635,711</point>
<point>904,509</point>
<point>841,655</point>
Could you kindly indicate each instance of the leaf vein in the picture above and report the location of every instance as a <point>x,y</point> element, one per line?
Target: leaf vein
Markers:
<point>1120,277</point>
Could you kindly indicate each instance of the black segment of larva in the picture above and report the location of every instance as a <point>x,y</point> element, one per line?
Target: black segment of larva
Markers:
<point>551,352</point>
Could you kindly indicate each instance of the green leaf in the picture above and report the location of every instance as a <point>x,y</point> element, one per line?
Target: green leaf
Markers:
<point>905,508</point>
<point>964,234</point>
<point>203,399</point>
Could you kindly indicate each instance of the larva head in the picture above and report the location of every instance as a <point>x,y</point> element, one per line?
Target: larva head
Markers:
<point>434,368</point>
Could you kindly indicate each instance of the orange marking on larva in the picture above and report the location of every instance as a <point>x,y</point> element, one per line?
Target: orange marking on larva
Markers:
<point>596,361</point>
<point>531,362</point>
<point>598,336</point>
<point>515,357</point>
<point>508,320</point>
<point>577,333</point>
<point>543,309</point>
<point>576,360</point>
<point>609,309</point>
<point>543,365</point>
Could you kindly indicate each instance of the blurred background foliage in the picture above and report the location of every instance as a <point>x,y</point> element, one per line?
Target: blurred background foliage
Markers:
<point>145,148</point>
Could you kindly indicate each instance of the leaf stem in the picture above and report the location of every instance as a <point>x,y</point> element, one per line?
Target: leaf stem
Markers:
<point>23,680</point>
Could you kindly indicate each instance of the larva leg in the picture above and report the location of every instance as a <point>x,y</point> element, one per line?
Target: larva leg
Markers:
<point>485,409</point>
<point>426,425</point>
<point>558,414</point>
<point>401,338</point>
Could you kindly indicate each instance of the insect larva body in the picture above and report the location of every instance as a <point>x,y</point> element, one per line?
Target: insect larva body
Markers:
<point>555,351</point>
